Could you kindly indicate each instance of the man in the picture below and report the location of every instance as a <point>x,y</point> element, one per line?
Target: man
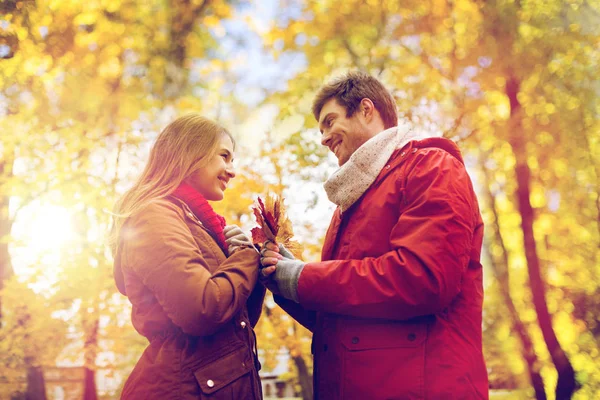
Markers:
<point>395,305</point>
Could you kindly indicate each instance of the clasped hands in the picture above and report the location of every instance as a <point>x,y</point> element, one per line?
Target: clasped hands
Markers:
<point>280,272</point>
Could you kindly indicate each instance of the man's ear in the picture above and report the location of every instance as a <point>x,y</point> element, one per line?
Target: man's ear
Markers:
<point>367,108</point>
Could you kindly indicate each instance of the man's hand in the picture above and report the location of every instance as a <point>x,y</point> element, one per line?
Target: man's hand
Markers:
<point>270,255</point>
<point>236,239</point>
<point>287,274</point>
<point>281,271</point>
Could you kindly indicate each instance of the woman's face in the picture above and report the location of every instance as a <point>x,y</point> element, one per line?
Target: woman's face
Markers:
<point>212,179</point>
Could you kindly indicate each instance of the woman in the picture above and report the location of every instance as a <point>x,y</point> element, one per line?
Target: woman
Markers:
<point>191,280</point>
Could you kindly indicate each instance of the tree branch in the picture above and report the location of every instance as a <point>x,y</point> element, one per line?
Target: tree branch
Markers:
<point>355,58</point>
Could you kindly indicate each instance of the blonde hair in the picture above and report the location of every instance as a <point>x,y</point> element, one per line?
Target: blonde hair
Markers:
<point>184,146</point>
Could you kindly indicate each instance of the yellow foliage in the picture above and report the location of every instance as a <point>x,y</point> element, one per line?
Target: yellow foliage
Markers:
<point>211,21</point>
<point>90,79</point>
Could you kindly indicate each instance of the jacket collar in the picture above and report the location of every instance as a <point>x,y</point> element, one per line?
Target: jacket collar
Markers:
<point>400,155</point>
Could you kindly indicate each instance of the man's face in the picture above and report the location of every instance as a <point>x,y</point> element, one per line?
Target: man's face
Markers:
<point>341,134</point>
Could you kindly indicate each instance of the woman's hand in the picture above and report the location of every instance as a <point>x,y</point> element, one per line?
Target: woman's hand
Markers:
<point>236,239</point>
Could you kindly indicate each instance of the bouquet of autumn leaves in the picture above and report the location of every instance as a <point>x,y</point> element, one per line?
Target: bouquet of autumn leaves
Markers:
<point>274,225</point>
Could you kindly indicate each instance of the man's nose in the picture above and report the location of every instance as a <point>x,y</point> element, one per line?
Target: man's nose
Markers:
<point>326,139</point>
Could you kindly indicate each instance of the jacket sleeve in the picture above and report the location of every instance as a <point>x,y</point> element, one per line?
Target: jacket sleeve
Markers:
<point>306,318</point>
<point>163,253</point>
<point>255,303</point>
<point>430,246</point>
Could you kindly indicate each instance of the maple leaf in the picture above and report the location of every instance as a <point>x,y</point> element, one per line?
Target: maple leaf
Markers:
<point>258,236</point>
<point>274,224</point>
<point>271,223</point>
<point>258,215</point>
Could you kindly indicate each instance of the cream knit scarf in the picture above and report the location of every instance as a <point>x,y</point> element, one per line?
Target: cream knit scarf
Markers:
<point>352,179</point>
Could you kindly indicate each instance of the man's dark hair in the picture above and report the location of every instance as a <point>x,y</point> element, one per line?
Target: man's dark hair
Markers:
<point>350,89</point>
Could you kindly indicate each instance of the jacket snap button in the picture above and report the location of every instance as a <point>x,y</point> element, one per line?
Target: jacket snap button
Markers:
<point>387,167</point>
<point>354,340</point>
<point>403,154</point>
<point>210,383</point>
<point>414,150</point>
<point>243,324</point>
<point>412,337</point>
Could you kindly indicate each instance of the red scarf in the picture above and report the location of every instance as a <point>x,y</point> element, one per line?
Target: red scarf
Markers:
<point>205,213</point>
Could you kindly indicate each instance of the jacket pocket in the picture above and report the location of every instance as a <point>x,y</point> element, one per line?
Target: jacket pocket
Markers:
<point>383,360</point>
<point>228,377</point>
<point>389,335</point>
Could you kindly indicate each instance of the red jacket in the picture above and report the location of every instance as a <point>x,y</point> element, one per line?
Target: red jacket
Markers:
<point>395,305</point>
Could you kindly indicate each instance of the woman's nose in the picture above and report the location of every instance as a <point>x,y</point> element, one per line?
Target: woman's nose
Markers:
<point>230,171</point>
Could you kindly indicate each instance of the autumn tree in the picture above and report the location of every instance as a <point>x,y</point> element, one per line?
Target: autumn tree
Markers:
<point>75,79</point>
<point>522,76</point>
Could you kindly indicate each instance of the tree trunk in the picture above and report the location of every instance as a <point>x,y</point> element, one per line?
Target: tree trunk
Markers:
<point>5,228</point>
<point>566,384</point>
<point>501,272</point>
<point>36,386</point>
<point>89,392</point>
<point>304,378</point>
<point>185,16</point>
<point>90,349</point>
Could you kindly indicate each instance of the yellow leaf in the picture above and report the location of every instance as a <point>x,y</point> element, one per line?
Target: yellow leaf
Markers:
<point>211,21</point>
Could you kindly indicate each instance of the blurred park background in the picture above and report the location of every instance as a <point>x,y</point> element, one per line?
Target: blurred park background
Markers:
<point>86,85</point>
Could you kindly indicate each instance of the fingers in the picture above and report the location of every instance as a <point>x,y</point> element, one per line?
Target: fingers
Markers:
<point>235,237</point>
<point>278,249</point>
<point>268,261</point>
<point>232,230</point>
<point>238,242</point>
<point>267,251</point>
<point>268,271</point>
<point>269,254</point>
<point>239,236</point>
<point>269,257</point>
<point>271,246</point>
<point>227,228</point>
